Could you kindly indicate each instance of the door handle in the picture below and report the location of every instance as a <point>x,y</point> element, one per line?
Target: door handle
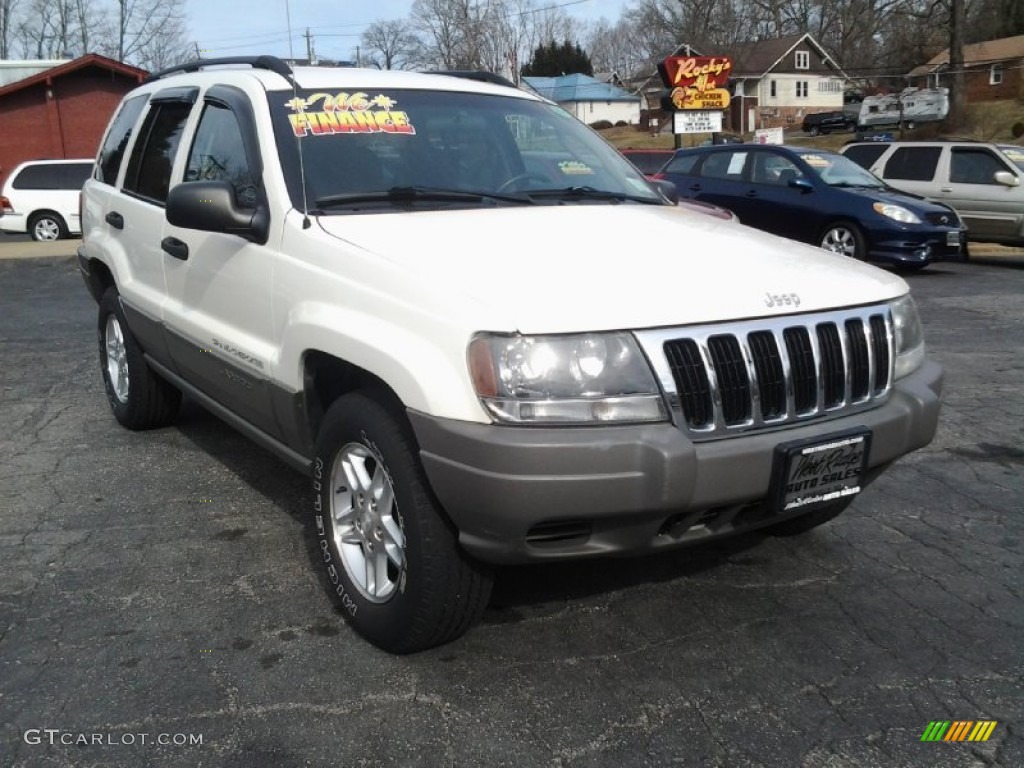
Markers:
<point>752,193</point>
<point>115,219</point>
<point>175,247</point>
<point>695,187</point>
<point>946,189</point>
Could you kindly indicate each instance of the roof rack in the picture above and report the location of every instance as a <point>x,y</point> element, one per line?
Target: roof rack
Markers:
<point>271,63</point>
<point>478,75</point>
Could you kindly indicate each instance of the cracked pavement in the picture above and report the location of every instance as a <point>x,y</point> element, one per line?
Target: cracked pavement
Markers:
<point>163,582</point>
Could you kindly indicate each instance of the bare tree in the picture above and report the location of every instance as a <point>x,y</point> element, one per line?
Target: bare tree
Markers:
<point>8,9</point>
<point>619,48</point>
<point>390,44</point>
<point>149,33</point>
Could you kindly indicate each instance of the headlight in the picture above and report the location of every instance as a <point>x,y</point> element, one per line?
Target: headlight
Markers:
<point>582,379</point>
<point>897,213</point>
<point>909,338</point>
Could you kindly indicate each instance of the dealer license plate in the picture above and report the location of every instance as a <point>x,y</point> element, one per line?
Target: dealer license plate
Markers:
<point>820,470</point>
<point>952,238</point>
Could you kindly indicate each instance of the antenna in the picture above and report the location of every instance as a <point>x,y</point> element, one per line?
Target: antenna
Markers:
<point>298,139</point>
<point>288,17</point>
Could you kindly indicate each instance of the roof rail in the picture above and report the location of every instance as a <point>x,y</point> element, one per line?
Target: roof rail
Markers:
<point>271,63</point>
<point>478,75</point>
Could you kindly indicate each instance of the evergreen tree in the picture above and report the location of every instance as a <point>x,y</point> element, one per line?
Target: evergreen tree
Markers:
<point>552,59</point>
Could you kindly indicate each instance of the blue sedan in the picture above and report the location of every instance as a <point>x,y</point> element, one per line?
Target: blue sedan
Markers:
<point>818,197</point>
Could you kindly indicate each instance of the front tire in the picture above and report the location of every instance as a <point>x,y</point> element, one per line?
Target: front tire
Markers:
<point>138,397</point>
<point>814,131</point>
<point>47,227</point>
<point>391,556</point>
<point>844,238</point>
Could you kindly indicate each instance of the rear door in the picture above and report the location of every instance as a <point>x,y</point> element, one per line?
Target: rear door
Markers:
<point>989,208</point>
<point>135,215</point>
<point>912,169</point>
<point>720,179</point>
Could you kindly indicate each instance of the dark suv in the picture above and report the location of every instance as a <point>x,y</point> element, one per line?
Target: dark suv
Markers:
<point>826,122</point>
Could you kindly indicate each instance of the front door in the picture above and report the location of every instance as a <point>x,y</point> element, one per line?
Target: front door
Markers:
<point>218,309</point>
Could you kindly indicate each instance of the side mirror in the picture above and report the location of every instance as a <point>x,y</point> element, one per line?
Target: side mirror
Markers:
<point>802,184</point>
<point>210,206</point>
<point>1006,178</point>
<point>668,190</point>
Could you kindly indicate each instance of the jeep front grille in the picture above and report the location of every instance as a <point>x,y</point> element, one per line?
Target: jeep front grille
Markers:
<point>731,377</point>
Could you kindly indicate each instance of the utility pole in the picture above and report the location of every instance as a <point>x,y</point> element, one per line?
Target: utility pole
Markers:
<point>309,47</point>
<point>957,97</point>
<point>198,54</point>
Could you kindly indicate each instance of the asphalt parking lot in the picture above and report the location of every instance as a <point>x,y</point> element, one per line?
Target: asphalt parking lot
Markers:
<point>159,605</point>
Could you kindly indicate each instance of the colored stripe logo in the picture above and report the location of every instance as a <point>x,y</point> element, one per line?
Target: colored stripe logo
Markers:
<point>958,730</point>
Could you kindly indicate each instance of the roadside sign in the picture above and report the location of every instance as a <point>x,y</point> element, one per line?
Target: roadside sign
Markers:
<point>697,82</point>
<point>696,122</point>
<point>769,136</point>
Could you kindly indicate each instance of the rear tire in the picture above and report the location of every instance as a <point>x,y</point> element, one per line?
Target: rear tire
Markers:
<point>391,556</point>
<point>46,227</point>
<point>814,130</point>
<point>809,521</point>
<point>138,397</point>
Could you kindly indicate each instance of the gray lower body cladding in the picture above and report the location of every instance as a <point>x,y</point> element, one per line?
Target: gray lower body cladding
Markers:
<point>529,494</point>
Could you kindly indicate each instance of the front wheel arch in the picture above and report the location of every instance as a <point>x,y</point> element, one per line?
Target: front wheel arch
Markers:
<point>374,510</point>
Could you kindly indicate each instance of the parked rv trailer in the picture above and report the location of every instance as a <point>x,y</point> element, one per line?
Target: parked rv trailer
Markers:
<point>910,107</point>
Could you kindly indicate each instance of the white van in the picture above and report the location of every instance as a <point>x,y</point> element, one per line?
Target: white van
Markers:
<point>41,197</point>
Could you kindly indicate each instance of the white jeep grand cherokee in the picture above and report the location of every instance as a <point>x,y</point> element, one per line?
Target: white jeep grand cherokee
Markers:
<point>483,333</point>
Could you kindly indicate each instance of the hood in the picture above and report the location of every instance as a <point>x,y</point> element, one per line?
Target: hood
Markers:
<point>574,268</point>
<point>916,203</point>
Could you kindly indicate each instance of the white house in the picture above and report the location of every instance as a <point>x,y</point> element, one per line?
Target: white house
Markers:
<point>777,82</point>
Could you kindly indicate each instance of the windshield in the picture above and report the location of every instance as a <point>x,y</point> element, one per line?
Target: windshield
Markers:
<point>365,150</point>
<point>838,171</point>
<point>1014,154</point>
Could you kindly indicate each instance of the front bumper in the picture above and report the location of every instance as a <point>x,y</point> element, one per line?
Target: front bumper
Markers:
<point>519,494</point>
<point>916,248</point>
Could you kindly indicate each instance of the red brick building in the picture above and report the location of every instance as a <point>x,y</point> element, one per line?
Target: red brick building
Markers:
<point>63,111</point>
<point>992,70</point>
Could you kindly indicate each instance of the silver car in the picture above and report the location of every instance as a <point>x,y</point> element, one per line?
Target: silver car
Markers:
<point>982,182</point>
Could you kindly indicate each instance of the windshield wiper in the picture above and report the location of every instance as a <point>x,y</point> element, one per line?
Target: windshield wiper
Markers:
<point>587,193</point>
<point>416,194</point>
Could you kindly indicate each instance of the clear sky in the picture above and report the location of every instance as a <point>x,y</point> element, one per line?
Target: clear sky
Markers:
<point>250,27</point>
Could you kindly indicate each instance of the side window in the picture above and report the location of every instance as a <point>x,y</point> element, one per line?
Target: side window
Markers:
<point>682,164</point>
<point>218,154</point>
<point>37,177</point>
<point>117,139</point>
<point>865,155</point>
<point>149,168</point>
<point>974,166</point>
<point>773,169</point>
<point>913,163</point>
<point>73,175</point>
<point>724,165</point>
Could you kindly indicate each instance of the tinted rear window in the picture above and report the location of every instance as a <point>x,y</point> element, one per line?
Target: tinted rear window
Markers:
<point>53,176</point>
<point>682,164</point>
<point>117,139</point>
<point>913,163</point>
<point>865,155</point>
